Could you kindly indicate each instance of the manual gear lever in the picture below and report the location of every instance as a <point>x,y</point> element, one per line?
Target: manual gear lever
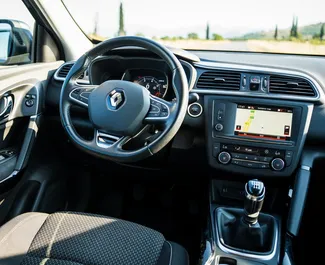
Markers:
<point>254,198</point>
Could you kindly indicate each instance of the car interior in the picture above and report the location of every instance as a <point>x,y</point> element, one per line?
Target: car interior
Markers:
<point>133,152</point>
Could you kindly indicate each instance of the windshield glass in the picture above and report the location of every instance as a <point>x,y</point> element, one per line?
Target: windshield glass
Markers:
<point>276,26</point>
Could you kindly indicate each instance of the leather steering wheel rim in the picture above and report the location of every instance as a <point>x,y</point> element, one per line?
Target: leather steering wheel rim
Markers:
<point>177,109</point>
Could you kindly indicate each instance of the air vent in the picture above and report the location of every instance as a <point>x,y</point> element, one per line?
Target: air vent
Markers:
<point>64,70</point>
<point>219,80</point>
<point>291,86</point>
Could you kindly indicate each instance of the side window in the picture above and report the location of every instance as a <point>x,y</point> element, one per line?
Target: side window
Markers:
<point>16,27</point>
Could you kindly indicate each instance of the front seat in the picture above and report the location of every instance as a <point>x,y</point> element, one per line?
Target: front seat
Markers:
<point>68,238</point>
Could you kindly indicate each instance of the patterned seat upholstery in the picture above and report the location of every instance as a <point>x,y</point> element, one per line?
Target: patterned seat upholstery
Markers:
<point>68,238</point>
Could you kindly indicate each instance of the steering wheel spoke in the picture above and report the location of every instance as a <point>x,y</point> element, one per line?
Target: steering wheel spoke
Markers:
<point>160,111</point>
<point>79,95</point>
<point>105,140</point>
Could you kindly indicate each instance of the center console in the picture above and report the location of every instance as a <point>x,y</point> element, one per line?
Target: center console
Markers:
<point>255,136</point>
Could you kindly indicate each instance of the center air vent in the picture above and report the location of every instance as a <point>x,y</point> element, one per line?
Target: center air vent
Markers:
<point>64,70</point>
<point>219,80</point>
<point>291,85</point>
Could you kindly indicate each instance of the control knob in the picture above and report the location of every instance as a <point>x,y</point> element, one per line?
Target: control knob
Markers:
<point>218,127</point>
<point>277,164</point>
<point>224,158</point>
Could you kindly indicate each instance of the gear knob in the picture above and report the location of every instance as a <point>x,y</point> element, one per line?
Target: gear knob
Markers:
<point>254,198</point>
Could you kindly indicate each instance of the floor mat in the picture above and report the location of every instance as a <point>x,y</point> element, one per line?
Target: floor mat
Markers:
<point>177,211</point>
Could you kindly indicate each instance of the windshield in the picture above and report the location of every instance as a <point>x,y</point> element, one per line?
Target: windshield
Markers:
<point>276,26</point>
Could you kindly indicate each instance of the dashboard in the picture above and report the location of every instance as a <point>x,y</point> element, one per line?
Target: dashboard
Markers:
<point>152,73</point>
<point>154,80</point>
<point>253,119</point>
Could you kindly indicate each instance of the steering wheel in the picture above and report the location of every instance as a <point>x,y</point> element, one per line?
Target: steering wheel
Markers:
<point>119,110</point>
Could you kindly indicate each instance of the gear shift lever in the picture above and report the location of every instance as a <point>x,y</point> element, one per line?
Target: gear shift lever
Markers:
<point>248,229</point>
<point>254,198</point>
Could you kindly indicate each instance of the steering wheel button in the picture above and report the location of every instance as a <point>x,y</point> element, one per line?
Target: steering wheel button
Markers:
<point>154,109</point>
<point>76,91</point>
<point>164,108</point>
<point>163,114</point>
<point>85,94</point>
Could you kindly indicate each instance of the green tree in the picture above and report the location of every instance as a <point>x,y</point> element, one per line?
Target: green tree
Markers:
<point>292,30</point>
<point>216,36</point>
<point>207,32</point>
<point>322,32</point>
<point>121,30</point>
<point>139,34</point>
<point>276,32</point>
<point>296,34</point>
<point>193,36</point>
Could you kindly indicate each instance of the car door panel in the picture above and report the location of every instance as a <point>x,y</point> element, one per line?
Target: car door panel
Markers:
<point>21,100</point>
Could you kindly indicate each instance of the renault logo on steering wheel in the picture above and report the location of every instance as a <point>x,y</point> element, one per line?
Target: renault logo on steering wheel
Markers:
<point>115,99</point>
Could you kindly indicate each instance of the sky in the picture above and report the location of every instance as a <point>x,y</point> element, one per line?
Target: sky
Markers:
<point>229,18</point>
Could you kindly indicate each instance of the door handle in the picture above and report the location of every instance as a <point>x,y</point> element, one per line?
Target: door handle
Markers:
<point>6,104</point>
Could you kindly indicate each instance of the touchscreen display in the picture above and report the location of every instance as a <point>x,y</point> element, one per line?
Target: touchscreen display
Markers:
<point>263,122</point>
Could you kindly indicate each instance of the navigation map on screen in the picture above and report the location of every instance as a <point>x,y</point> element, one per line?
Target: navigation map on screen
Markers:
<point>263,122</point>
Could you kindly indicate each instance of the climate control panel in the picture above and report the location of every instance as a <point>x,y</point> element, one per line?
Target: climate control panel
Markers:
<point>252,157</point>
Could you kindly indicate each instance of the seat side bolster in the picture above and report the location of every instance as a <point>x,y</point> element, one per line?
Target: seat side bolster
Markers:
<point>17,235</point>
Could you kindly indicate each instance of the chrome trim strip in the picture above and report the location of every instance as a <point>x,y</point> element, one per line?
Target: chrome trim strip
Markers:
<point>262,70</point>
<point>195,116</point>
<point>248,255</point>
<point>13,174</point>
<point>307,168</point>
<point>252,140</point>
<point>99,134</point>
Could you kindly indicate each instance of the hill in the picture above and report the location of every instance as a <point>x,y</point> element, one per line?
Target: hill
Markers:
<point>306,31</point>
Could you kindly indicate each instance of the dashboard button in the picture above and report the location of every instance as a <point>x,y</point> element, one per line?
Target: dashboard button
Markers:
<point>288,157</point>
<point>219,127</point>
<point>237,162</point>
<point>265,159</point>
<point>263,165</point>
<point>195,110</point>
<point>278,153</point>
<point>215,149</point>
<point>29,103</point>
<point>250,164</point>
<point>237,156</point>
<point>249,149</point>
<point>226,146</point>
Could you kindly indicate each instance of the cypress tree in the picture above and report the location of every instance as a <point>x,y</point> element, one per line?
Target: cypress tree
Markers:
<point>276,32</point>
<point>322,32</point>
<point>121,31</point>
<point>296,28</point>
<point>208,31</point>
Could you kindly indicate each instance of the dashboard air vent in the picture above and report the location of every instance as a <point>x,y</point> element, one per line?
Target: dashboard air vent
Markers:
<point>64,70</point>
<point>291,85</point>
<point>219,80</point>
